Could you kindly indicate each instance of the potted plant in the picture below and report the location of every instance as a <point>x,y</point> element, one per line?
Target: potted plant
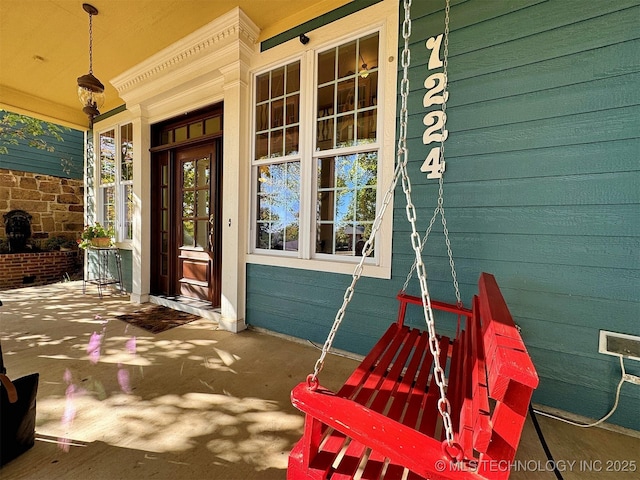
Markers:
<point>95,236</point>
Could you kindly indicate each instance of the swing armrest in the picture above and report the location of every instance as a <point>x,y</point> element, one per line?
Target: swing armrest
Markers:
<point>404,299</point>
<point>402,444</point>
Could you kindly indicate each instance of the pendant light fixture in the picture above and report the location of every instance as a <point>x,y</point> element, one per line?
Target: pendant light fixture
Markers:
<point>90,89</point>
<point>364,72</point>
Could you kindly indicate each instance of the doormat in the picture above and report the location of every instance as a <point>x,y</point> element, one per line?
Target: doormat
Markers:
<point>157,319</point>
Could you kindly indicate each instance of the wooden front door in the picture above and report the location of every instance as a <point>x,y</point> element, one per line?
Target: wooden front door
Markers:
<point>186,228</point>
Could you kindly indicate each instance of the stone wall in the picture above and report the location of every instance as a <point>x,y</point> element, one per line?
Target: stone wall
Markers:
<point>56,204</point>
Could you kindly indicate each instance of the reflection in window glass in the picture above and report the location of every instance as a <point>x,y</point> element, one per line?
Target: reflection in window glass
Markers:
<point>202,234</point>
<point>126,149</point>
<point>346,204</point>
<point>109,207</point>
<point>107,157</point>
<point>277,112</point>
<point>347,94</point>
<point>196,179</point>
<point>342,153</point>
<point>188,175</point>
<point>128,213</point>
<point>278,206</point>
<point>188,229</point>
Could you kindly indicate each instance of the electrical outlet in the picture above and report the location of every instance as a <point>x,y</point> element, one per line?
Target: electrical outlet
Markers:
<point>619,345</point>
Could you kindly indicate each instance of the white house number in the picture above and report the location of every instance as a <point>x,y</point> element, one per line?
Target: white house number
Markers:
<point>435,121</point>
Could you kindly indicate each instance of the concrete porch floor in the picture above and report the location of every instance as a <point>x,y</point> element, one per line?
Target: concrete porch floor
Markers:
<point>196,402</point>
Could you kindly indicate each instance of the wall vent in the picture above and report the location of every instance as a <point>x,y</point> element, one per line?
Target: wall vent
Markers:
<point>619,345</point>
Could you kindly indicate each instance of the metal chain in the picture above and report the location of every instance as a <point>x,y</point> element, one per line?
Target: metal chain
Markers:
<point>444,407</point>
<point>401,158</point>
<point>90,43</point>
<point>440,205</point>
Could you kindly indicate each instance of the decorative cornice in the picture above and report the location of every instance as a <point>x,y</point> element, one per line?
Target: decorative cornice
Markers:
<point>235,25</point>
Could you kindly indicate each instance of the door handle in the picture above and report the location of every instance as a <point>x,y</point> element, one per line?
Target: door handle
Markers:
<point>212,231</point>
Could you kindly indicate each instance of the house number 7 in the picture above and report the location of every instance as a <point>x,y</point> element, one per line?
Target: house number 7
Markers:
<point>436,85</point>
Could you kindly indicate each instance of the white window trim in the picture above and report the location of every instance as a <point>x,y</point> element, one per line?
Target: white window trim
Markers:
<point>382,17</point>
<point>119,186</point>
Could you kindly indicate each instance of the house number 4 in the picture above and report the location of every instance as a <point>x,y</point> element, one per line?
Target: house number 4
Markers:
<point>435,121</point>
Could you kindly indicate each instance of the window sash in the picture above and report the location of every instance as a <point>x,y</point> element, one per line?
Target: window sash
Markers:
<point>115,181</point>
<point>276,231</point>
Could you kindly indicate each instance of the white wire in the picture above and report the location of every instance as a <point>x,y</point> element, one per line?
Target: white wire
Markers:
<point>598,422</point>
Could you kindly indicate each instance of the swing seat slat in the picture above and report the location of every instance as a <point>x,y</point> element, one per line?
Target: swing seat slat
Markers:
<point>384,421</point>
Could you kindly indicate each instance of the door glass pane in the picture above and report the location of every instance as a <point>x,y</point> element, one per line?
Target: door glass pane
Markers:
<point>202,234</point>
<point>165,175</point>
<point>204,171</point>
<point>165,243</point>
<point>164,193</point>
<point>188,174</point>
<point>202,204</point>
<point>188,231</point>
<point>188,199</point>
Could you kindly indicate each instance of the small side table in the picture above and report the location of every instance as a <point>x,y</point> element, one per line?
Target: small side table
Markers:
<point>104,276</point>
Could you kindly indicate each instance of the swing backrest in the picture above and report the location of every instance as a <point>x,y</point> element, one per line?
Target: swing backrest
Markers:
<point>510,375</point>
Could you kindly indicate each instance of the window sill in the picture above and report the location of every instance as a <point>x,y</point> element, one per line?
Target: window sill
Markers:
<point>346,268</point>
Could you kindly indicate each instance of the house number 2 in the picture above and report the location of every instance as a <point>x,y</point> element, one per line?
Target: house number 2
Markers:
<point>435,121</point>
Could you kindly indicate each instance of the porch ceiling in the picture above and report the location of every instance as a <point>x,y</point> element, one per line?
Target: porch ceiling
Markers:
<point>44,44</point>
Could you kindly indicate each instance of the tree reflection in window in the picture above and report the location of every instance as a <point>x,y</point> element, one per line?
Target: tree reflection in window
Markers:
<point>278,206</point>
<point>196,176</point>
<point>346,205</point>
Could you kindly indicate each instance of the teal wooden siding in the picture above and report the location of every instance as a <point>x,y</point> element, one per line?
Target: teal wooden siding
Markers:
<point>125,261</point>
<point>541,189</point>
<point>65,161</point>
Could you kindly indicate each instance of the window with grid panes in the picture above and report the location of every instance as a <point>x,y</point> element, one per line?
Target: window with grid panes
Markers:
<point>340,164</point>
<point>115,181</point>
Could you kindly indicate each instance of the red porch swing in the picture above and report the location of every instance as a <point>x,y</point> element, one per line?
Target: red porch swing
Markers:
<point>398,416</point>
